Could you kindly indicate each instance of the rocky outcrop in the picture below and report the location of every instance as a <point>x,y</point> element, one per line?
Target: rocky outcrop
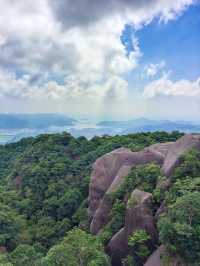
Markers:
<point>105,170</point>
<point>161,257</point>
<point>117,247</point>
<point>138,216</point>
<point>108,174</point>
<point>161,148</point>
<point>156,257</point>
<point>101,216</point>
<point>161,210</point>
<point>175,152</point>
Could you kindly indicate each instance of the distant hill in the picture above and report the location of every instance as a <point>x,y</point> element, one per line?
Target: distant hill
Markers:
<point>148,125</point>
<point>128,123</point>
<point>34,121</point>
<point>14,127</point>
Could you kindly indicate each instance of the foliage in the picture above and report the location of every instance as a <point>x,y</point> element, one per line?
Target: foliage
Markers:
<point>181,187</point>
<point>139,246</point>
<point>4,261</point>
<point>180,230</point>
<point>117,219</point>
<point>189,167</point>
<point>25,255</point>
<point>11,225</point>
<point>77,249</point>
<point>44,188</point>
<point>143,177</point>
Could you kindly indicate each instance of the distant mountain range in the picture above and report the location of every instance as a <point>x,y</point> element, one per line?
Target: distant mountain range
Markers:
<point>34,121</point>
<point>14,127</point>
<point>148,125</point>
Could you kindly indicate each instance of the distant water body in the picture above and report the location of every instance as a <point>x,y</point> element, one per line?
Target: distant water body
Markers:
<point>90,129</point>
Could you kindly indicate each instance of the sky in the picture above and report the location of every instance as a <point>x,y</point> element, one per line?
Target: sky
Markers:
<point>108,59</point>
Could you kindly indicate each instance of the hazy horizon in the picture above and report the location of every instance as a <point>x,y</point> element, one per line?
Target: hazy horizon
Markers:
<point>106,118</point>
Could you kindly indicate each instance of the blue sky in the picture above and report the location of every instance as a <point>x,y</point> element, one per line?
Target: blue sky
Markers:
<point>176,42</point>
<point>72,58</point>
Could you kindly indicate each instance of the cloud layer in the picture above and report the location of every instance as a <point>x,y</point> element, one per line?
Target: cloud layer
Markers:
<point>72,49</point>
<point>83,13</point>
<point>165,87</point>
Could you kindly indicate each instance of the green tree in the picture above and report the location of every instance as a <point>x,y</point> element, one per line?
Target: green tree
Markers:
<point>11,225</point>
<point>180,229</point>
<point>4,260</point>
<point>25,255</point>
<point>77,249</point>
<point>189,167</point>
<point>138,243</point>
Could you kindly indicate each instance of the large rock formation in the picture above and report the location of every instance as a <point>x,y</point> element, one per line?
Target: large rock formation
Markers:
<point>117,247</point>
<point>101,216</point>
<point>161,257</point>
<point>108,174</point>
<point>138,216</point>
<point>156,257</point>
<point>175,152</point>
<point>105,170</point>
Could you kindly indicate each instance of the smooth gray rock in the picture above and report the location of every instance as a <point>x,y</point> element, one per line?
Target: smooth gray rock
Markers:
<point>108,174</point>
<point>182,145</point>
<point>155,258</point>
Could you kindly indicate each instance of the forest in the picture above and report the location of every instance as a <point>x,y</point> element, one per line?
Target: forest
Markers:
<point>44,184</point>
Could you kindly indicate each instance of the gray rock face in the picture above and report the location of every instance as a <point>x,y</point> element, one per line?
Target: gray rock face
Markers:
<point>117,247</point>
<point>105,170</point>
<point>101,216</point>
<point>160,255</point>
<point>109,171</point>
<point>161,148</point>
<point>138,216</point>
<point>161,210</point>
<point>181,146</point>
<point>155,258</point>
<point>108,174</point>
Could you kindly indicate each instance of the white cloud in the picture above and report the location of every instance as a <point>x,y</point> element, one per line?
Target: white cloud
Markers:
<point>165,87</point>
<point>78,13</point>
<point>153,69</point>
<point>114,89</point>
<point>73,43</point>
<point>11,86</point>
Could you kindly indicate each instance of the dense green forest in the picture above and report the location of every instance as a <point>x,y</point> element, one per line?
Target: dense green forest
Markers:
<point>43,201</point>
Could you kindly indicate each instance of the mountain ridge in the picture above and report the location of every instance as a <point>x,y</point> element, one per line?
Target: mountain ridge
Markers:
<point>34,121</point>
